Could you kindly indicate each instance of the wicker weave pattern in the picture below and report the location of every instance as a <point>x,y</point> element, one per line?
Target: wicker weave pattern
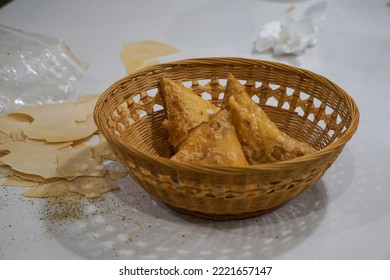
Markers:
<point>305,105</point>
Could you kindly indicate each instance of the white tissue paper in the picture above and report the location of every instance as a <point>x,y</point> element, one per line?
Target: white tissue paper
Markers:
<point>294,34</point>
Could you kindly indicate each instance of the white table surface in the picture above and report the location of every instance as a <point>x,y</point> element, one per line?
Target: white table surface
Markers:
<point>344,216</point>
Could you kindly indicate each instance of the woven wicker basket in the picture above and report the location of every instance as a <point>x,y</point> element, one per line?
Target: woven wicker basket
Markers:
<point>305,105</point>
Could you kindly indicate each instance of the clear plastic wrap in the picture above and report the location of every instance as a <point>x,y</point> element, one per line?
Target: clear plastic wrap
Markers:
<point>35,69</point>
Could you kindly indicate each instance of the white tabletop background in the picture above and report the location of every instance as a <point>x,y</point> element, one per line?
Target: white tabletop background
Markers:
<point>344,216</point>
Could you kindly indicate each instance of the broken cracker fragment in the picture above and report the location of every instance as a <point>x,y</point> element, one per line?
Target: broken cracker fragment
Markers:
<point>92,187</point>
<point>15,181</point>
<point>33,177</point>
<point>116,174</point>
<point>53,189</point>
<point>136,55</point>
<point>59,165</point>
<point>37,152</point>
<point>5,171</point>
<point>79,161</point>
<point>12,126</point>
<point>60,122</point>
<point>103,149</point>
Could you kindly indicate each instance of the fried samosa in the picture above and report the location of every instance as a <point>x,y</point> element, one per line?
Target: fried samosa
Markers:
<point>185,110</point>
<point>261,140</point>
<point>212,143</point>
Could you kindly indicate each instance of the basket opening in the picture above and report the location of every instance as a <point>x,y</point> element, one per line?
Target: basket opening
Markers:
<point>272,101</point>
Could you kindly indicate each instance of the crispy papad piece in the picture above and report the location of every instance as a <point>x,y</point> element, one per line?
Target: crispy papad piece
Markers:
<point>212,143</point>
<point>49,150</point>
<point>92,187</point>
<point>12,126</point>
<point>16,181</point>
<point>52,189</point>
<point>79,161</point>
<point>60,122</point>
<point>136,55</point>
<point>185,110</point>
<point>32,157</point>
<point>261,140</point>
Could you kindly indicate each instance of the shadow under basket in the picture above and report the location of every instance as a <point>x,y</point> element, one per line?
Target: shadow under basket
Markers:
<point>303,104</point>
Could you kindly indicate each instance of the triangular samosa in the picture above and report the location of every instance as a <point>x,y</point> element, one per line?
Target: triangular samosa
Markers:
<point>212,143</point>
<point>185,110</point>
<point>261,140</point>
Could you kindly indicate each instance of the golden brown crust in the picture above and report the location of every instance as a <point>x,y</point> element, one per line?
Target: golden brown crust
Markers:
<point>212,143</point>
<point>185,110</point>
<point>260,138</point>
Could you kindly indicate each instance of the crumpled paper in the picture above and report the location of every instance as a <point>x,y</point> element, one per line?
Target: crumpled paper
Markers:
<point>35,69</point>
<point>294,34</point>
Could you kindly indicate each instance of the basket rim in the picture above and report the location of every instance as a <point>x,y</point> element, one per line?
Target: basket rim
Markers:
<point>270,167</point>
